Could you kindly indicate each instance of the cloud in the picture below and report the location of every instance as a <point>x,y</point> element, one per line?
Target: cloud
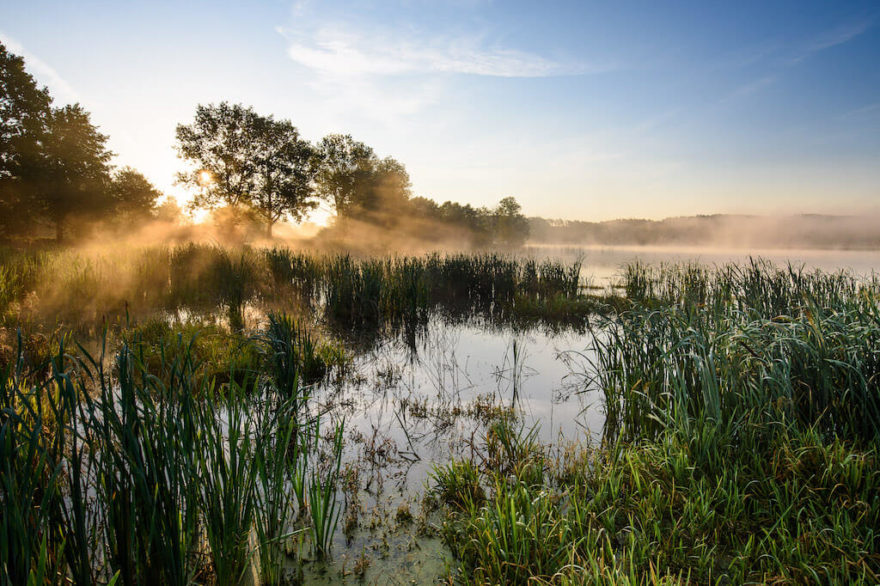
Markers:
<point>335,50</point>
<point>867,110</point>
<point>340,98</point>
<point>833,37</point>
<point>60,89</point>
<point>838,35</point>
<point>750,88</point>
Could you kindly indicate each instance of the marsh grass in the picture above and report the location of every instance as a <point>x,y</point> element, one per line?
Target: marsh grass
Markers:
<point>113,473</point>
<point>322,486</point>
<point>741,443</point>
<point>84,290</point>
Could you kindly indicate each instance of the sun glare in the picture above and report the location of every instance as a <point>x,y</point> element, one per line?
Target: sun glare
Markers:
<point>205,178</point>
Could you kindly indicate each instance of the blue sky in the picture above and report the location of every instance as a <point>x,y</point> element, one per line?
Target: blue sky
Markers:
<point>579,110</point>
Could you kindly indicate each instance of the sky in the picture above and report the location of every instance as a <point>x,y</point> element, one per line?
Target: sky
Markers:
<point>580,110</point>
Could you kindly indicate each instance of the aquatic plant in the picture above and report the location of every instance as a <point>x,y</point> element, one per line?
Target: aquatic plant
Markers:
<point>322,485</point>
<point>741,443</point>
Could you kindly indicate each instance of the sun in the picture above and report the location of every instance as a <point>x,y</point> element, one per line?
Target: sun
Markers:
<point>205,177</point>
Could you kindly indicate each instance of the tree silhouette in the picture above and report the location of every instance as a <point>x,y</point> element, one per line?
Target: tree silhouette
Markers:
<point>134,197</point>
<point>24,114</point>
<point>511,226</point>
<point>383,194</point>
<point>75,169</point>
<point>346,169</point>
<point>241,158</point>
<point>284,173</point>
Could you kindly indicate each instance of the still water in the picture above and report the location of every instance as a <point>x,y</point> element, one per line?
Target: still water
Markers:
<point>602,264</point>
<point>409,407</point>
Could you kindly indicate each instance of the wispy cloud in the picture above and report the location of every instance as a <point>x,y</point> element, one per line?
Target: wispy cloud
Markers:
<point>832,37</point>
<point>387,68</point>
<point>750,88</point>
<point>60,89</point>
<point>867,110</point>
<point>338,50</point>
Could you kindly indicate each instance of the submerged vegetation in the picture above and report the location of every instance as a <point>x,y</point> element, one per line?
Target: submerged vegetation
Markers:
<point>167,415</point>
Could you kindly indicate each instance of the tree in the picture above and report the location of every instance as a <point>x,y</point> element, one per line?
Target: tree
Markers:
<point>75,168</point>
<point>347,166</point>
<point>134,197</point>
<point>383,194</point>
<point>169,211</point>
<point>422,207</point>
<point>391,186</point>
<point>24,114</point>
<point>284,173</point>
<point>511,226</point>
<point>244,159</point>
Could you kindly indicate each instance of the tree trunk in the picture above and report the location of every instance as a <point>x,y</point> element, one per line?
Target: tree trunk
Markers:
<point>269,229</point>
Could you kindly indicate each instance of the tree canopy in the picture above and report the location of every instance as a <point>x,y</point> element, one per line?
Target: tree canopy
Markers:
<point>511,226</point>
<point>24,111</point>
<point>346,168</point>
<point>241,158</point>
<point>54,163</point>
<point>76,168</point>
<point>55,168</point>
<point>133,195</point>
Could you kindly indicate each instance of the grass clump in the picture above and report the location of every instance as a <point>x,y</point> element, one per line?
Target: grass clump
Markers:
<point>458,484</point>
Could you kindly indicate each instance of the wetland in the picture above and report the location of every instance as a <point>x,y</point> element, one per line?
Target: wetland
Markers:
<point>202,414</point>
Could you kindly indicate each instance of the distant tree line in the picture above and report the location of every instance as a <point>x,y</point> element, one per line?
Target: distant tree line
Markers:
<point>239,158</point>
<point>719,230</point>
<point>55,167</point>
<point>56,175</point>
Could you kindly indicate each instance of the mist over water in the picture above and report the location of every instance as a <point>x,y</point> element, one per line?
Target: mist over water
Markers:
<point>602,264</point>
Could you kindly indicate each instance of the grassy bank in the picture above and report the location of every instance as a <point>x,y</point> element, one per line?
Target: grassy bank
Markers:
<point>741,444</point>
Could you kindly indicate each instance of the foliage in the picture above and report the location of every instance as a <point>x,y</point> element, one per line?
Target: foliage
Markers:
<point>240,157</point>
<point>346,167</point>
<point>54,164</point>
<point>134,196</point>
<point>75,170</point>
<point>24,111</point>
<point>511,226</point>
<point>110,473</point>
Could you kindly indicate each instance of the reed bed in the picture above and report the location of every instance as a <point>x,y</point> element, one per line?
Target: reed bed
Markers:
<point>742,443</point>
<point>741,440</point>
<point>757,286</point>
<point>82,290</point>
<point>117,472</point>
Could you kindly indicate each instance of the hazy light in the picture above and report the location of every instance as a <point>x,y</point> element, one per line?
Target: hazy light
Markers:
<point>205,178</point>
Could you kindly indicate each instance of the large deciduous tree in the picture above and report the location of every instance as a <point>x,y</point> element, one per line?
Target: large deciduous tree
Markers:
<point>241,158</point>
<point>24,114</point>
<point>75,169</point>
<point>347,168</point>
<point>54,163</point>
<point>134,197</point>
<point>385,193</point>
<point>285,169</point>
